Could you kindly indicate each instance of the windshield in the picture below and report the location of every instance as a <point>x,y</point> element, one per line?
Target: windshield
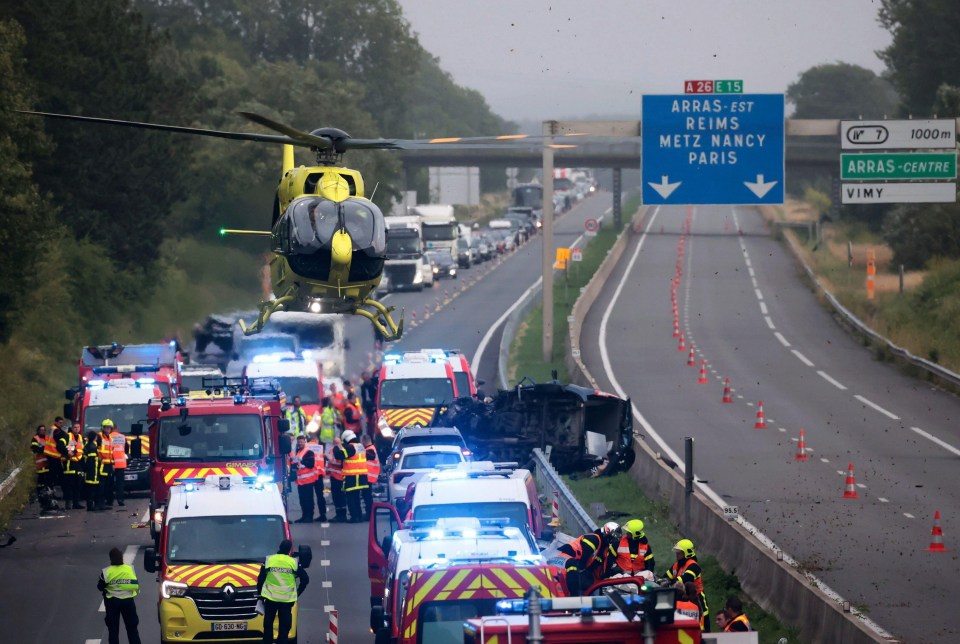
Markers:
<point>252,538</point>
<point>530,196</point>
<point>311,336</point>
<point>122,416</point>
<point>562,185</point>
<point>440,258</point>
<point>276,344</point>
<point>314,221</point>
<point>514,511</point>
<point>411,439</point>
<point>440,232</point>
<point>307,388</point>
<point>441,622</point>
<point>211,437</point>
<point>429,460</point>
<point>402,243</point>
<point>463,383</point>
<point>416,392</point>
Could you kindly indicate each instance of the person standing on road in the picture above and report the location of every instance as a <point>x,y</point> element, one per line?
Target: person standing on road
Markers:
<point>352,416</point>
<point>368,400</point>
<point>118,450</point>
<point>328,422</point>
<point>319,463</point>
<point>687,569</point>
<point>54,464</point>
<point>118,583</point>
<point>279,584</point>
<point>105,451</point>
<point>297,418</point>
<point>354,459</point>
<point>61,439</point>
<point>72,470</point>
<point>37,445</point>
<point>373,475</point>
<point>305,462</point>
<point>335,470</point>
<point>91,471</point>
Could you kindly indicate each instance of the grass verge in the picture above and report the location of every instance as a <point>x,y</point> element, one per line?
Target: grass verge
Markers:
<point>620,494</point>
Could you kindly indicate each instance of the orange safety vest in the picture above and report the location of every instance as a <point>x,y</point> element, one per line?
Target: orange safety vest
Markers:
<point>75,451</point>
<point>305,475</point>
<point>40,460</point>
<point>105,454</point>
<point>50,447</point>
<point>357,421</point>
<point>690,609</point>
<point>118,444</point>
<point>676,572</point>
<point>577,546</point>
<point>742,618</point>
<point>373,465</point>
<point>318,458</point>
<point>355,465</point>
<point>632,563</point>
<point>334,467</point>
<point>339,402</point>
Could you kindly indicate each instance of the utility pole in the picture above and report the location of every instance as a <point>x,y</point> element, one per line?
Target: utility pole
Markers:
<point>549,129</point>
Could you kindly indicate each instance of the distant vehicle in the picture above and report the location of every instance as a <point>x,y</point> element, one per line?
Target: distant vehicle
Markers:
<point>322,337</point>
<point>508,230</point>
<point>482,247</point>
<point>528,215</point>
<point>525,226</point>
<point>404,250</point>
<point>262,347</point>
<point>417,460</point>
<point>440,228</point>
<point>426,272</point>
<point>466,256</point>
<point>191,376</point>
<point>529,195</point>
<point>420,436</point>
<point>443,265</point>
<point>296,377</point>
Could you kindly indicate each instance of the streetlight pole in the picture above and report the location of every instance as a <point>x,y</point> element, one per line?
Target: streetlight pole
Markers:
<point>548,132</point>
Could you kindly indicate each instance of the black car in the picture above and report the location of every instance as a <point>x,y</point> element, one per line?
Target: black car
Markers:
<point>443,265</point>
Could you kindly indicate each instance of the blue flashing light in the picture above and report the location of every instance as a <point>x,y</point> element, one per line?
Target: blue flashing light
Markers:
<point>392,358</point>
<point>97,384</point>
<point>435,534</point>
<point>469,533</point>
<point>189,487</point>
<point>172,344</point>
<point>146,381</point>
<point>181,401</point>
<point>238,399</point>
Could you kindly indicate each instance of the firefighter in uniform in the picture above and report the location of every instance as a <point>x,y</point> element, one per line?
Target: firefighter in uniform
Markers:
<point>320,463</point>
<point>354,459</point>
<point>352,416</point>
<point>585,557</point>
<point>61,439</point>
<point>328,422</point>
<point>118,583</point>
<point>72,470</point>
<point>335,470</point>
<point>119,449</point>
<point>278,588</point>
<point>338,401</point>
<point>305,461</point>
<point>373,474</point>
<point>54,464</point>
<point>633,554</point>
<point>37,445</point>
<point>368,400</point>
<point>687,569</point>
<point>90,466</point>
<point>105,451</point>
<point>738,622</point>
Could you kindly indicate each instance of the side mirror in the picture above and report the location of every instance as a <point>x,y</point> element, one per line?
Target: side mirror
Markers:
<point>283,426</point>
<point>136,449</point>
<point>136,429</point>
<point>305,554</point>
<point>378,618</point>
<point>70,394</point>
<point>286,443</point>
<point>150,560</point>
<point>68,410</point>
<point>481,382</point>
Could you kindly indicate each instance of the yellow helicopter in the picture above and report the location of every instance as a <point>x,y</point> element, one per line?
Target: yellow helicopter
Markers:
<point>328,240</point>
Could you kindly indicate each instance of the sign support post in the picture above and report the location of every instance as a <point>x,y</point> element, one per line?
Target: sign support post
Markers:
<point>548,131</point>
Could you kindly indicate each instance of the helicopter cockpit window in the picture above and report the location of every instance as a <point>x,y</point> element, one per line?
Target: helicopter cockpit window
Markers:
<point>313,222</point>
<point>365,225</point>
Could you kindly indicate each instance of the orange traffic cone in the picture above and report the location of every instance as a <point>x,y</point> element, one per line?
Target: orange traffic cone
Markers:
<point>936,539</point>
<point>761,423</point>
<point>683,345</point>
<point>703,373</point>
<point>727,397</point>
<point>691,359</point>
<point>850,491</point>
<point>801,448</point>
<point>676,328</point>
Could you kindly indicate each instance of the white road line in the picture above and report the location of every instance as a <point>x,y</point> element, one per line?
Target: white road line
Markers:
<point>102,609</point>
<point>784,430</point>
<point>826,376</point>
<point>944,445</point>
<point>746,258</point>
<point>759,294</point>
<point>861,486</point>
<point>824,460</point>
<point>763,307</point>
<point>882,500</point>
<point>326,584</point>
<point>750,270</point>
<point>755,284</point>
<point>769,322</point>
<point>324,562</point>
<point>877,407</point>
<point>908,515</point>
<point>324,542</point>
<point>145,517</point>
<point>91,642</point>
<point>804,359</point>
<point>329,608</point>
<point>782,339</point>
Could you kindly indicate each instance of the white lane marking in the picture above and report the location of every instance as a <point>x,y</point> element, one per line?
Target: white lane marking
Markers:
<point>769,321</point>
<point>861,486</point>
<point>944,445</point>
<point>784,430</point>
<point>91,642</point>
<point>324,542</point>
<point>329,608</point>
<point>908,515</point>
<point>824,460</point>
<point>828,378</point>
<point>145,517</point>
<point>746,258</point>
<point>882,500</point>
<point>841,472</point>
<point>763,308</point>
<point>102,609</point>
<point>755,283</point>
<point>326,584</point>
<point>782,339</point>
<point>324,562</point>
<point>325,524</point>
<point>804,359</point>
<point>759,294</point>
<point>750,270</point>
<point>877,407</point>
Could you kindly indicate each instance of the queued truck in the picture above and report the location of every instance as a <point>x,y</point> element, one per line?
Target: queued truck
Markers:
<point>440,228</point>
<point>404,252</point>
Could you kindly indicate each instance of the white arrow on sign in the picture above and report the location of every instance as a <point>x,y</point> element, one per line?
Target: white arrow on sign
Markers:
<point>760,188</point>
<point>663,188</point>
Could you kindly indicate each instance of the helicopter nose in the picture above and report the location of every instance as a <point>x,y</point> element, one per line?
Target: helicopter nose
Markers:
<point>341,248</point>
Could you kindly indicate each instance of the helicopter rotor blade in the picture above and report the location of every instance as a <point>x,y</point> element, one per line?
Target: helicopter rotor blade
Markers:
<point>305,138</point>
<point>239,136</point>
<point>458,142</point>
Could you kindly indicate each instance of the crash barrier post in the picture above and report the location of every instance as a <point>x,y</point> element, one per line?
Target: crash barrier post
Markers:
<point>766,573</point>
<point>935,371</point>
<point>9,482</point>
<point>573,517</point>
<point>333,632</point>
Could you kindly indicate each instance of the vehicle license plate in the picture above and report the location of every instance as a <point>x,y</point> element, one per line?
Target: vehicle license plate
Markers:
<point>229,626</point>
<point>129,477</point>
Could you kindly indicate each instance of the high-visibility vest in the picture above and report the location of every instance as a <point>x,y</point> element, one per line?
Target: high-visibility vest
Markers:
<point>355,465</point>
<point>373,465</point>
<point>334,467</point>
<point>91,464</point>
<point>298,420</point>
<point>75,450</point>
<point>676,572</point>
<point>353,425</point>
<point>577,546</point>
<point>632,563</point>
<point>305,475</point>
<point>328,424</point>
<point>38,445</point>
<point>280,584</point>
<point>50,447</point>
<point>318,458</point>
<point>105,452</point>
<point>121,582</point>
<point>741,618</point>
<point>689,609</point>
<point>118,444</point>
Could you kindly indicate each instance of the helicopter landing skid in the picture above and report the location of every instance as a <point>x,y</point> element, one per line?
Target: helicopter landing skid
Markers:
<point>389,329</point>
<point>266,310</point>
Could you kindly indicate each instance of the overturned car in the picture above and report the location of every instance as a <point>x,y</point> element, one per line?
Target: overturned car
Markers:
<point>582,428</point>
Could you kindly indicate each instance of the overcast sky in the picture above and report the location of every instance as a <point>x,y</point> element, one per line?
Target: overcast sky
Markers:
<point>542,59</point>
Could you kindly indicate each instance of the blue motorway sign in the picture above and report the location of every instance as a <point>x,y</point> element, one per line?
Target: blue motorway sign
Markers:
<point>713,149</point>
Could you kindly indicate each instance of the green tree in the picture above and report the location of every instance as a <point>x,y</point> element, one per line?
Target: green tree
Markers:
<point>919,233</point>
<point>841,90</point>
<point>925,52</point>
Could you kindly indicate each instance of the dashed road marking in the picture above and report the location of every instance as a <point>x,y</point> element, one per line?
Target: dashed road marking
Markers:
<point>943,444</point>
<point>324,562</point>
<point>782,339</point>
<point>877,407</point>
<point>861,486</point>
<point>324,542</point>
<point>832,381</point>
<point>759,294</point>
<point>908,515</point>
<point>769,322</point>
<point>326,584</point>
<point>804,359</point>
<point>882,500</point>
<point>763,307</point>
<point>329,608</point>
<point>824,460</point>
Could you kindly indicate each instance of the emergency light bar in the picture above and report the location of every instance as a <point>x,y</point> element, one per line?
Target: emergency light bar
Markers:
<point>127,368</point>
<point>392,358</point>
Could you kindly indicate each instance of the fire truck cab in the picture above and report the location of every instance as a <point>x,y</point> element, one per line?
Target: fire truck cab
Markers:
<point>466,383</point>
<point>296,377</point>
<point>114,361</point>
<point>411,387</point>
<point>439,573</point>
<point>215,536</point>
<point>229,428</point>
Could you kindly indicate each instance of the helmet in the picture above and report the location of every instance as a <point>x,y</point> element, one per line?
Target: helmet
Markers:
<point>634,528</point>
<point>686,547</point>
<point>107,423</point>
<point>611,530</point>
<point>348,436</point>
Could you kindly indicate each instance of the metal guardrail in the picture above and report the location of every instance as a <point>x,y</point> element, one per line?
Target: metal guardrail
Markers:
<point>858,324</point>
<point>513,322</point>
<point>573,518</point>
<point>9,482</point>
